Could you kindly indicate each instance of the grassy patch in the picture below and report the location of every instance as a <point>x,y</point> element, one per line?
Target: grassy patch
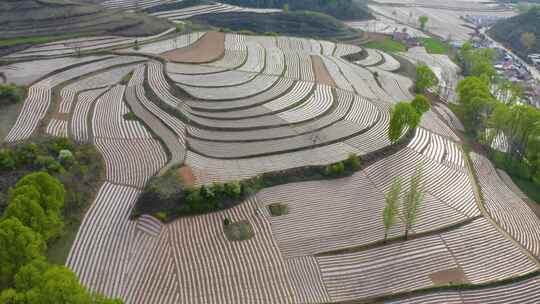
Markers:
<point>387,45</point>
<point>531,189</point>
<point>239,231</point>
<point>130,116</point>
<point>434,46</point>
<point>38,39</point>
<point>278,209</point>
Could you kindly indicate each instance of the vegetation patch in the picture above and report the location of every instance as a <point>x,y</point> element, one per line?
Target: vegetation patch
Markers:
<point>11,94</point>
<point>77,167</point>
<point>166,195</point>
<point>278,209</point>
<point>298,23</point>
<point>387,45</point>
<point>130,116</point>
<point>238,231</point>
<point>434,46</point>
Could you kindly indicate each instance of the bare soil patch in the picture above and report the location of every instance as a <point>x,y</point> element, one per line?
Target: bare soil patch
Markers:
<point>60,116</point>
<point>186,175</point>
<point>449,276</point>
<point>321,73</point>
<point>209,48</point>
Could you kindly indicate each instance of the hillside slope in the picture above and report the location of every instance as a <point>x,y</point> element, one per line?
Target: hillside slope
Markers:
<point>509,31</point>
<point>298,23</point>
<point>33,18</point>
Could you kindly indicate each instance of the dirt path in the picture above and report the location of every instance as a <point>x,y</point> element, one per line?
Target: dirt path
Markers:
<point>321,73</point>
<point>188,179</point>
<point>207,49</point>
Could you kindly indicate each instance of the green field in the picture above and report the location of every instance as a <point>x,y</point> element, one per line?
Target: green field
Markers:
<point>434,46</point>
<point>38,39</point>
<point>528,187</point>
<point>387,45</point>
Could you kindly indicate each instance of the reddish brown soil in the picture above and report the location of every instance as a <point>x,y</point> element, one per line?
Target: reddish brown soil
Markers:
<point>60,116</point>
<point>449,276</point>
<point>321,73</point>
<point>209,48</point>
<point>188,179</point>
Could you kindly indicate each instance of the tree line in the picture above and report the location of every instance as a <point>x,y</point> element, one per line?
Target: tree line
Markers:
<point>489,114</point>
<point>32,218</point>
<point>410,203</point>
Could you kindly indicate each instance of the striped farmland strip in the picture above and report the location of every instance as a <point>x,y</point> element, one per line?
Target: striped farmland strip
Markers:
<point>393,268</point>
<point>257,85</point>
<point>39,97</point>
<point>280,87</point>
<point>275,61</point>
<point>151,276</point>
<point>100,251</point>
<point>173,143</point>
<point>525,292</point>
<point>306,280</point>
<point>448,185</point>
<point>191,69</point>
<point>315,225</point>
<point>33,111</point>
<point>58,128</point>
<point>149,225</point>
<point>131,162</point>
<point>318,103</point>
<point>346,49</point>
<point>208,170</point>
<point>108,118</point>
<point>508,209</point>
<point>163,46</point>
<point>220,79</point>
<point>336,74</point>
<point>100,80</point>
<point>160,86</point>
<point>476,248</point>
<point>79,120</point>
<point>215,270</point>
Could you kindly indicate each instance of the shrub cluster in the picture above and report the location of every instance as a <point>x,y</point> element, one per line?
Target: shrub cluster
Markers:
<point>205,199</point>
<point>10,94</point>
<point>52,157</point>
<point>78,167</point>
<point>346,167</point>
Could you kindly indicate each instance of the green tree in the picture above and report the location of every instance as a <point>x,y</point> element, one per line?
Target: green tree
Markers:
<point>412,200</point>
<point>528,40</point>
<point>425,78</point>
<point>421,104</point>
<point>50,188</point>
<point>403,116</point>
<point>391,206</point>
<point>477,103</point>
<point>19,245</point>
<point>423,21</point>
<point>286,8</point>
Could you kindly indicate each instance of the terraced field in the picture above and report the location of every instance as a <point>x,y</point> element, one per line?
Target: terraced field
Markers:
<point>268,104</point>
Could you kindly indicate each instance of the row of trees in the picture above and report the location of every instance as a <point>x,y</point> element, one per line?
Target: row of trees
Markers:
<point>32,218</point>
<point>487,117</point>
<point>410,203</point>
